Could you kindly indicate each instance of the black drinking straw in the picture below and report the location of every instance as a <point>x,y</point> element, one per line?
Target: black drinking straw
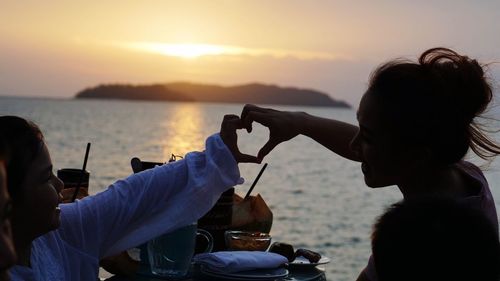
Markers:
<point>255,181</point>
<point>82,174</point>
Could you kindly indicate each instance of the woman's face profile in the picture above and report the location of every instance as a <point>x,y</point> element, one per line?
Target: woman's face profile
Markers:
<point>39,213</point>
<point>385,159</point>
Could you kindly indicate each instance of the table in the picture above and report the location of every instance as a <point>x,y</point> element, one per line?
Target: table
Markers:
<point>310,274</point>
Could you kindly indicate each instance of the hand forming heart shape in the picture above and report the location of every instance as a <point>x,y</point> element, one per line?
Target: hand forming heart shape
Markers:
<point>282,125</point>
<point>229,125</point>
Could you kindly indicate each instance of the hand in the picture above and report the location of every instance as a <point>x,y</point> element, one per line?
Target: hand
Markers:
<point>229,125</point>
<point>282,125</point>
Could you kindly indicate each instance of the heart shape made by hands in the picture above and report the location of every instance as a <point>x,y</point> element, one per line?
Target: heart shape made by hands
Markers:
<point>229,127</point>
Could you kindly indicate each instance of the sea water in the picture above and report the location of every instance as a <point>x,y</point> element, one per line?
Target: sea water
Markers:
<point>319,199</point>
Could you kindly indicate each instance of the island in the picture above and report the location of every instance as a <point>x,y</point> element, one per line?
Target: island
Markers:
<point>254,93</point>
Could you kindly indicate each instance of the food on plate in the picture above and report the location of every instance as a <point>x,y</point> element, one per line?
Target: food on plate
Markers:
<point>312,256</point>
<point>283,249</point>
<point>249,245</point>
<point>287,251</point>
<point>247,240</point>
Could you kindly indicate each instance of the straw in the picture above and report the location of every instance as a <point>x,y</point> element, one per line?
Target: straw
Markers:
<point>82,174</point>
<point>256,180</point>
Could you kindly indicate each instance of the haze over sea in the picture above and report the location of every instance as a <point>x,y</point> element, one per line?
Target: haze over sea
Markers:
<point>319,199</point>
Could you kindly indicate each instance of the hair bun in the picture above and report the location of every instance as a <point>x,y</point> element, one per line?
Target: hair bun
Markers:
<point>461,81</point>
<point>434,102</point>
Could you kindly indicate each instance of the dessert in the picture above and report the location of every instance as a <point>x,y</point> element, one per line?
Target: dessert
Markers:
<point>312,256</point>
<point>247,241</point>
<point>283,249</point>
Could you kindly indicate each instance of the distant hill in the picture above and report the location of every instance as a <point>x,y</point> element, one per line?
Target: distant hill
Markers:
<point>189,92</point>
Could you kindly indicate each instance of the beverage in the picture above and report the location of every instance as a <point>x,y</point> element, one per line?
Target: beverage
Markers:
<point>74,177</point>
<point>170,254</point>
<point>219,219</point>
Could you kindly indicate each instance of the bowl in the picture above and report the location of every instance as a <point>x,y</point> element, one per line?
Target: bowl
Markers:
<point>247,240</point>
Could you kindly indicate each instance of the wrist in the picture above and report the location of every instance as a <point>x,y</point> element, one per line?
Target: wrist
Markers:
<point>299,122</point>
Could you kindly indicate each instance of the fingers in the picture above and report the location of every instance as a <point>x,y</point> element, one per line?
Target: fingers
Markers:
<point>260,117</point>
<point>229,125</point>
<point>228,128</point>
<point>247,122</point>
<point>247,108</point>
<point>252,113</point>
<point>270,145</point>
<point>264,116</point>
<point>231,122</point>
<point>245,158</point>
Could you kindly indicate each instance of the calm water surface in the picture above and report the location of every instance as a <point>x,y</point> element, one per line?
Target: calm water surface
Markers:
<point>319,199</point>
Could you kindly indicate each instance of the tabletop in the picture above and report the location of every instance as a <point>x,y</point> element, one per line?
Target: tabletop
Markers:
<point>307,274</point>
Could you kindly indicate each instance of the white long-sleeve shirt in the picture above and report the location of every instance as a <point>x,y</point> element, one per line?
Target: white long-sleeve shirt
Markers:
<point>130,212</point>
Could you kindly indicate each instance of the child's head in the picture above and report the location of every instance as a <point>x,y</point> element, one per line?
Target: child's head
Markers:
<point>422,112</point>
<point>435,239</point>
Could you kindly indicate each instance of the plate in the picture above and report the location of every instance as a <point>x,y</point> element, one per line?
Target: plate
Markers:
<point>301,262</point>
<point>257,274</point>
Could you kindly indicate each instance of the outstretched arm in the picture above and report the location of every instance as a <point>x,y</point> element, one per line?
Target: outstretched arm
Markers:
<point>285,125</point>
<point>147,204</point>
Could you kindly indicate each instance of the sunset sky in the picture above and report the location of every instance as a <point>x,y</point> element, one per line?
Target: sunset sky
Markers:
<point>56,48</point>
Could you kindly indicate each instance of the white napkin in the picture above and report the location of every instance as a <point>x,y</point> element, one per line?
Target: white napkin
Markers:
<point>235,261</point>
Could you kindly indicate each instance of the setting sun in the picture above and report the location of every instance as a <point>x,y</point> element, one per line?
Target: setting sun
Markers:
<point>189,51</point>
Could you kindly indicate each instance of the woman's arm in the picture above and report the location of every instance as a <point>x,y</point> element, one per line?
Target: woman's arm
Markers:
<point>145,205</point>
<point>284,125</point>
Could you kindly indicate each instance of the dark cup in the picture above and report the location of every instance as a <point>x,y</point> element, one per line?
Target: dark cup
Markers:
<point>74,177</point>
<point>218,220</point>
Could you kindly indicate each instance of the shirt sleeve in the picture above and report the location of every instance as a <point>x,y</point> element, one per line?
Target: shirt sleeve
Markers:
<point>147,204</point>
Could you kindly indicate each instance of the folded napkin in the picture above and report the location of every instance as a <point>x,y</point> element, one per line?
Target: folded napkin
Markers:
<point>235,261</point>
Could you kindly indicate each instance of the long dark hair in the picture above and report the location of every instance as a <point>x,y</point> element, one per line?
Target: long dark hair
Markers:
<point>435,102</point>
<point>23,141</point>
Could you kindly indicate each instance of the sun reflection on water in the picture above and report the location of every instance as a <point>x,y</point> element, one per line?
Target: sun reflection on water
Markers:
<point>184,130</point>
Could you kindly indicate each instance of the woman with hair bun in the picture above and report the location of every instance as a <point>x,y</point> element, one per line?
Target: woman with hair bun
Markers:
<point>417,121</point>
